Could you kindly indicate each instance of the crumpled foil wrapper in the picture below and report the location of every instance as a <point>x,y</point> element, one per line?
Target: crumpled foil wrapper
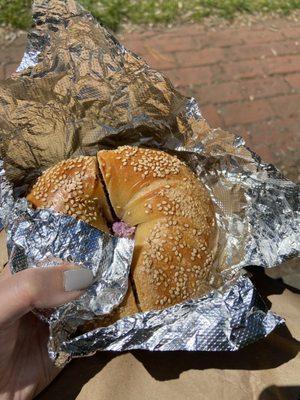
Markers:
<point>78,90</point>
<point>43,238</point>
<point>224,320</point>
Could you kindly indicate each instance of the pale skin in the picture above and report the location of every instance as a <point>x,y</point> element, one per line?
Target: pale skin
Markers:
<point>25,367</point>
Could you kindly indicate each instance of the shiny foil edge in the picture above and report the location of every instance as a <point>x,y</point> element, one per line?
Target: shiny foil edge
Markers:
<point>193,112</point>
<point>224,320</point>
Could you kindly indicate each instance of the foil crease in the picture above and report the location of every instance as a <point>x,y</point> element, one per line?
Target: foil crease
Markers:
<point>78,90</point>
<point>224,320</point>
<point>43,238</point>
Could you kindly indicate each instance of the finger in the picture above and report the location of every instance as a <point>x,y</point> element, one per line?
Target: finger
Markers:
<point>40,288</point>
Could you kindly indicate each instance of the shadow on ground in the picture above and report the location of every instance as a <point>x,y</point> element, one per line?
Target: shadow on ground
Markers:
<point>271,352</point>
<point>280,393</point>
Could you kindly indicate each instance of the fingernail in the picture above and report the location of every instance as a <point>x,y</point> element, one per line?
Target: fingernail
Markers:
<point>77,279</point>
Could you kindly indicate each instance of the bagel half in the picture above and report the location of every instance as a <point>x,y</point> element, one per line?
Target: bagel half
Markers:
<point>174,219</point>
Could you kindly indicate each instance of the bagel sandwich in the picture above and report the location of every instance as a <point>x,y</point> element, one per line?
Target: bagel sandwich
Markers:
<point>155,196</point>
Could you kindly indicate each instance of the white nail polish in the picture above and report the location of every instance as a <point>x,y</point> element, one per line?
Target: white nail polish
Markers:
<point>77,279</point>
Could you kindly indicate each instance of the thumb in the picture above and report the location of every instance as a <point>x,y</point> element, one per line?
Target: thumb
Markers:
<point>40,288</point>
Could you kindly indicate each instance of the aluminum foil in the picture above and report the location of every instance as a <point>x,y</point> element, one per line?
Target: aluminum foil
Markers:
<point>43,238</point>
<point>224,320</point>
<point>78,90</point>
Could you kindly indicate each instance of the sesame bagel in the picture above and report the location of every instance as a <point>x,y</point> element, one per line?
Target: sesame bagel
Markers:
<point>158,195</point>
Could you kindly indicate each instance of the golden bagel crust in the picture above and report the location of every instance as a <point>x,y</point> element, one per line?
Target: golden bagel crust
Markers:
<point>171,263</point>
<point>175,235</point>
<point>73,187</point>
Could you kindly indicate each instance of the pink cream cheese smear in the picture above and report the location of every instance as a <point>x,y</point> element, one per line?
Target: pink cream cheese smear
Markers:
<point>121,229</point>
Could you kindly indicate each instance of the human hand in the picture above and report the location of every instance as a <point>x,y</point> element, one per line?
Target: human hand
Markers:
<point>25,367</point>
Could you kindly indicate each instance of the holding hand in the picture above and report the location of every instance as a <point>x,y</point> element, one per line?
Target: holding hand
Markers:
<point>25,366</point>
